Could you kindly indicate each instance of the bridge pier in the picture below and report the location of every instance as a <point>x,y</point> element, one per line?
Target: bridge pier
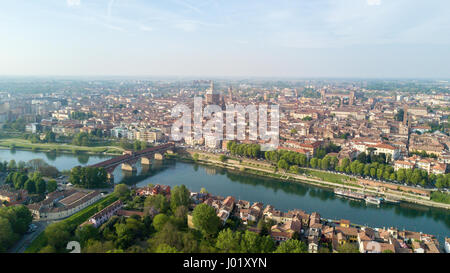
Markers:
<point>111,178</point>
<point>159,156</point>
<point>128,167</point>
<point>146,160</point>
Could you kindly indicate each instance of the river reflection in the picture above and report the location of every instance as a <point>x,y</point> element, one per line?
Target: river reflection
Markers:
<point>62,161</point>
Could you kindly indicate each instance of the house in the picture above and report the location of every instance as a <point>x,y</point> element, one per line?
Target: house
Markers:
<point>347,234</point>
<point>161,189</point>
<point>282,232</point>
<point>314,220</point>
<point>376,247</point>
<point>102,216</point>
<point>313,245</point>
<point>228,203</point>
<point>344,223</point>
<point>313,235</point>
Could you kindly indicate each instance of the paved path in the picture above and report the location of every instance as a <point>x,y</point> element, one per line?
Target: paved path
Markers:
<point>26,239</point>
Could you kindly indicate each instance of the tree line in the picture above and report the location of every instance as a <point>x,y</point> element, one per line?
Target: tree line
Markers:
<point>89,177</point>
<point>33,184</point>
<point>366,165</point>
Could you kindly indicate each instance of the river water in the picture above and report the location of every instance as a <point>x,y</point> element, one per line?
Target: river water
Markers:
<point>281,194</point>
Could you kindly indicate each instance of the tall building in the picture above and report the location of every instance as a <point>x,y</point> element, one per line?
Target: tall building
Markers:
<point>212,96</point>
<point>351,99</point>
<point>230,94</point>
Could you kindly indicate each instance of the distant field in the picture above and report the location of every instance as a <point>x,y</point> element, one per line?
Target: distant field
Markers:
<point>27,145</point>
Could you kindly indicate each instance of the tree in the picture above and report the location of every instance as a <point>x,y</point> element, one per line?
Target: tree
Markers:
<point>85,233</point>
<point>250,242</point>
<point>159,221</point>
<point>157,202</point>
<point>88,177</point>
<point>228,241</point>
<point>165,248</point>
<point>294,169</point>
<point>196,156</point>
<point>50,137</point>
<point>52,185</point>
<point>282,164</point>
<point>30,186</point>
<point>122,191</point>
<point>40,186</point>
<point>7,236</point>
<point>205,219</point>
<point>313,162</point>
<point>292,246</point>
<point>128,232</point>
<point>81,139</point>
<point>57,235</point>
<point>253,243</point>
<point>180,196</point>
<point>12,165</point>
<point>181,212</point>
<point>362,158</point>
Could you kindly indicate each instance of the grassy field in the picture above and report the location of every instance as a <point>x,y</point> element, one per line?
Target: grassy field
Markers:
<point>76,219</point>
<point>47,147</point>
<point>329,177</point>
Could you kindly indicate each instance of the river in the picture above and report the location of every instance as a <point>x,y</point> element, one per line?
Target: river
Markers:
<point>281,194</point>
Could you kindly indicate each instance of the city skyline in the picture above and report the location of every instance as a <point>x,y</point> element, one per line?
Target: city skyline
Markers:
<point>301,39</point>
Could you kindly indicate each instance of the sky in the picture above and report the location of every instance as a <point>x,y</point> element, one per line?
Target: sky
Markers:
<point>208,38</point>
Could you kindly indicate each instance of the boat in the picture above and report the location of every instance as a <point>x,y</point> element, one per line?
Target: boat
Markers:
<point>349,194</point>
<point>391,200</point>
<point>447,245</point>
<point>373,200</point>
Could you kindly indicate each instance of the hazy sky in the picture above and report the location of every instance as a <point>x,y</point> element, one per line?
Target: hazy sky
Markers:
<point>298,38</point>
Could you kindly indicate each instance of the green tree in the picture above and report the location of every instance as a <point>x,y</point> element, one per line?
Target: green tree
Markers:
<point>58,235</point>
<point>7,236</point>
<point>30,186</point>
<point>228,241</point>
<point>165,248</point>
<point>41,186</point>
<point>282,164</point>
<point>292,246</point>
<point>205,219</point>
<point>85,233</point>
<point>158,202</point>
<point>159,221</point>
<point>122,191</point>
<point>314,162</point>
<point>52,185</point>
<point>179,196</point>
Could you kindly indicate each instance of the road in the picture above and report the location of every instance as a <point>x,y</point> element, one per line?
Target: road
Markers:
<point>26,240</point>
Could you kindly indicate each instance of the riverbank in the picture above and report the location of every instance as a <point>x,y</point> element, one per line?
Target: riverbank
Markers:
<point>26,145</point>
<point>263,169</point>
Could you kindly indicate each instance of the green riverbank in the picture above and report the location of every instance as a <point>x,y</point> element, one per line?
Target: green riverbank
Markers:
<point>313,177</point>
<point>22,144</point>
